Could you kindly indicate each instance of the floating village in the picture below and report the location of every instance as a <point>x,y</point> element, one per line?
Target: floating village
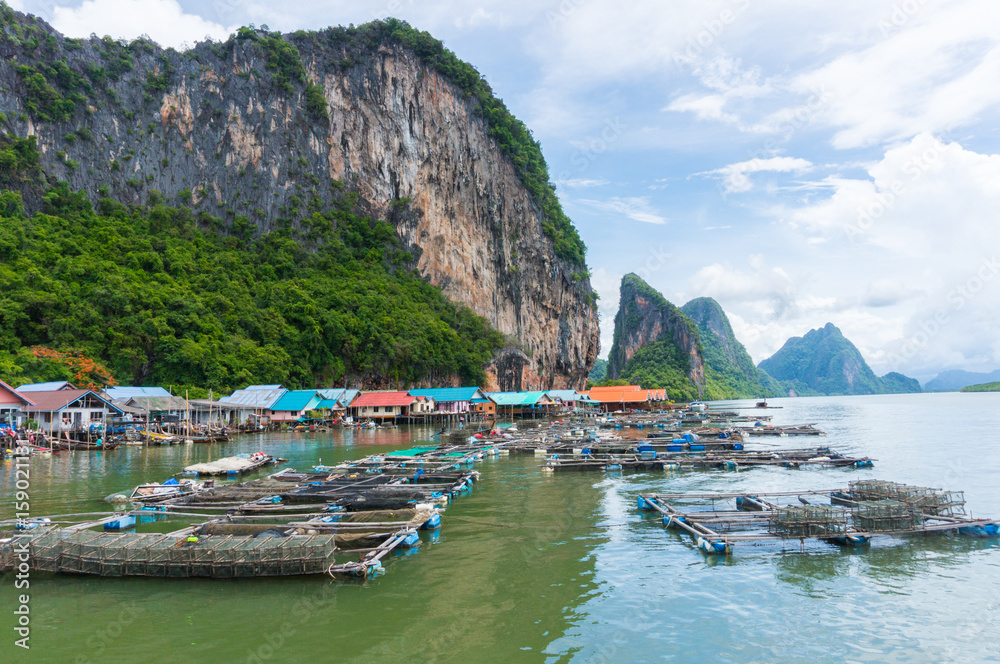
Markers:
<point>343,520</point>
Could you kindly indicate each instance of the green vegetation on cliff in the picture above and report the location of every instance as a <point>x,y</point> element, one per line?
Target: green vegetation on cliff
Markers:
<point>160,296</point>
<point>599,372</point>
<point>984,387</point>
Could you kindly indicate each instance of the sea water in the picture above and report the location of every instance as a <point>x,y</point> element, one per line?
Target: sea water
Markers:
<point>543,567</point>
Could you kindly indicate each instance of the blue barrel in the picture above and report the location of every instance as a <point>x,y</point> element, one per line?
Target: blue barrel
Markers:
<point>432,523</point>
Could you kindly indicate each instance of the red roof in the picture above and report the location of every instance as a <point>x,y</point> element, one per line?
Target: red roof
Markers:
<point>14,393</point>
<point>383,399</point>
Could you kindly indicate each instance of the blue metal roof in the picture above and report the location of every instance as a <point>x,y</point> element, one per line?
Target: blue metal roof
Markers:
<point>254,398</point>
<point>124,392</point>
<point>44,387</point>
<point>450,394</point>
<point>297,400</point>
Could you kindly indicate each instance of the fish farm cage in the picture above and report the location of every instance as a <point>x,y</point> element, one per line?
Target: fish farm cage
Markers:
<point>159,555</point>
<point>880,516</point>
<point>854,516</point>
<point>919,498</point>
<point>808,521</point>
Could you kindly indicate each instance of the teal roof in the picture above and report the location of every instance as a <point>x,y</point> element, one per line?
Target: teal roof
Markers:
<point>328,404</point>
<point>517,398</point>
<point>448,394</point>
<point>296,400</point>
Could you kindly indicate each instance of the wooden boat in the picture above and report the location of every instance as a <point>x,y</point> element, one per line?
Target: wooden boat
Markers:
<point>154,493</point>
<point>211,438</point>
<point>62,443</point>
<point>234,465</point>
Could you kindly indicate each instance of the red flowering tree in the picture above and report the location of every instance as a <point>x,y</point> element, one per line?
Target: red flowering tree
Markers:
<point>88,374</point>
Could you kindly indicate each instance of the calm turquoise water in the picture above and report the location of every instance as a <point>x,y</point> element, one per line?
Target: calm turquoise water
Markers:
<point>536,568</point>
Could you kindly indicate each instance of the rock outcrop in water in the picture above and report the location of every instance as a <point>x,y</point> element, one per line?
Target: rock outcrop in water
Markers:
<point>262,130</point>
<point>655,344</point>
<point>825,362</point>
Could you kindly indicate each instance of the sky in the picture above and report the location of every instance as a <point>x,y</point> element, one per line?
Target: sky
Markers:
<point>802,163</point>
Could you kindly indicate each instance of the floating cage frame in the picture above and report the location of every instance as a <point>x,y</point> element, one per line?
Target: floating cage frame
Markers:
<point>130,554</point>
<point>923,499</point>
<point>808,521</point>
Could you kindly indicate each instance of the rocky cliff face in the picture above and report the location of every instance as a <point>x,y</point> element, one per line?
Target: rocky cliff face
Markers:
<point>644,318</point>
<point>227,129</point>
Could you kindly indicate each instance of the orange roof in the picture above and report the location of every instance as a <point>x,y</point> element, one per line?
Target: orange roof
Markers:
<point>626,394</point>
<point>383,399</point>
<point>619,396</point>
<point>615,389</point>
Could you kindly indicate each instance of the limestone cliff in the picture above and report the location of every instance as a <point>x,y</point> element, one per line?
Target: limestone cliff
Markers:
<point>264,129</point>
<point>655,344</point>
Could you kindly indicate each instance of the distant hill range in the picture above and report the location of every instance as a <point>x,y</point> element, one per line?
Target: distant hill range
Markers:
<point>949,381</point>
<point>824,362</point>
<point>689,351</point>
<point>984,387</point>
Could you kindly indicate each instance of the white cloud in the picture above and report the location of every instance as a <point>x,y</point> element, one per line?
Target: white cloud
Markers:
<point>921,234</point>
<point>635,208</point>
<point>608,287</point>
<point>935,71</point>
<point>162,20</point>
<point>705,107</point>
<point>735,176</point>
<point>580,183</point>
<point>481,17</point>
